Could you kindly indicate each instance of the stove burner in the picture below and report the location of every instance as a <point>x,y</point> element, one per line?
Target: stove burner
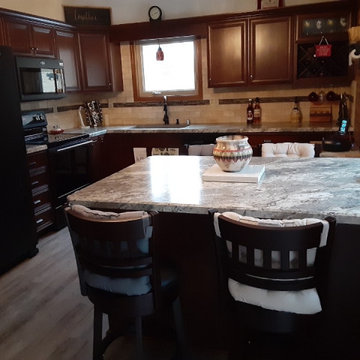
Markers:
<point>35,132</point>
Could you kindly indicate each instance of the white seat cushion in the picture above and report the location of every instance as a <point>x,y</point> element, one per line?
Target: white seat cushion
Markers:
<point>201,150</point>
<point>287,149</point>
<point>300,302</point>
<point>108,215</point>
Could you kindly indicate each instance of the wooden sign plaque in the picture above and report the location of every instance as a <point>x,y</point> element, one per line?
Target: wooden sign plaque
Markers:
<point>87,16</point>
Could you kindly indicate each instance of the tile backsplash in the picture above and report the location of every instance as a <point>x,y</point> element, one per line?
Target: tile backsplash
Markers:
<point>219,105</point>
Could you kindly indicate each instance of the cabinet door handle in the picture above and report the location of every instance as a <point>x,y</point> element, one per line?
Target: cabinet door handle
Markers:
<point>37,202</point>
<point>34,183</point>
<point>32,163</point>
<point>39,221</point>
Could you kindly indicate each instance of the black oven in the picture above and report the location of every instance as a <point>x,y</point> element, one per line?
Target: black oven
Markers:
<point>69,163</point>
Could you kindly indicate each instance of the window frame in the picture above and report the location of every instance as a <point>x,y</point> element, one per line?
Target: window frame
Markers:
<point>137,78</point>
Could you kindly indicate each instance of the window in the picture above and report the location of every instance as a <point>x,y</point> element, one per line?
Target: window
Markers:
<point>178,75</point>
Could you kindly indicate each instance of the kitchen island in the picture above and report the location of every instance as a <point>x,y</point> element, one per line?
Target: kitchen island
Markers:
<point>173,186</point>
<point>314,187</point>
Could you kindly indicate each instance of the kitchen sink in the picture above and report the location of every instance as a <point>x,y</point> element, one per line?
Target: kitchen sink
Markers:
<point>161,126</point>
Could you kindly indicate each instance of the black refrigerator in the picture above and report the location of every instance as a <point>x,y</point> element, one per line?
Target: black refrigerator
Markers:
<point>17,233</point>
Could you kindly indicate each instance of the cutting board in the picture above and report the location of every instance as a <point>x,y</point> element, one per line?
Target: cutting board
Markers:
<point>249,174</point>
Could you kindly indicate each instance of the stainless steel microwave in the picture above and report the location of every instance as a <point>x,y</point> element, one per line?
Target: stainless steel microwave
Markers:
<point>40,78</point>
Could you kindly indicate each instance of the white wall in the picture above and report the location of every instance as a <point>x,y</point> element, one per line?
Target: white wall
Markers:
<point>130,11</point>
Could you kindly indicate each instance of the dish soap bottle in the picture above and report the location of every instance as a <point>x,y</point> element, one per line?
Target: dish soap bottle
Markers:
<point>296,115</point>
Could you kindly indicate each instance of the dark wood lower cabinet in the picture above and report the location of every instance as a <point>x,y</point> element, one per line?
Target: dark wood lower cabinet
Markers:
<point>117,148</point>
<point>39,179</point>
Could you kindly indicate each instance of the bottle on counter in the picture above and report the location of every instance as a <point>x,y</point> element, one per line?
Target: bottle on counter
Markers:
<point>257,111</point>
<point>343,110</point>
<point>296,115</point>
<point>250,112</point>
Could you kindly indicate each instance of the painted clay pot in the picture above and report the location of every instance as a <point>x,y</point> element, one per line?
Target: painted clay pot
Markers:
<point>232,153</point>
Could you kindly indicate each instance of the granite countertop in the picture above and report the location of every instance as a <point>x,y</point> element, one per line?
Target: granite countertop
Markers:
<point>315,187</point>
<point>209,128</point>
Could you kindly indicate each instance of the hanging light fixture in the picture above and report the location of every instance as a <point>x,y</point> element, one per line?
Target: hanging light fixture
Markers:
<point>159,53</point>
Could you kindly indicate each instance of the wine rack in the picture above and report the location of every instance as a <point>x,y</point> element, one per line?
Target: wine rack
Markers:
<point>310,66</point>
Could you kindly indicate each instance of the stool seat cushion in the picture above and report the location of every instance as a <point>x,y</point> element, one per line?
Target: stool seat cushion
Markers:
<point>93,214</point>
<point>299,302</point>
<point>287,149</point>
<point>201,150</point>
<point>128,286</point>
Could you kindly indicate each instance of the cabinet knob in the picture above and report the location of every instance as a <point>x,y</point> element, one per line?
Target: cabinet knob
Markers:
<point>251,76</point>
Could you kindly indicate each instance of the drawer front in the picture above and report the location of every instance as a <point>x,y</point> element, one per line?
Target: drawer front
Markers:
<point>40,200</point>
<point>44,218</point>
<point>39,181</point>
<point>37,160</point>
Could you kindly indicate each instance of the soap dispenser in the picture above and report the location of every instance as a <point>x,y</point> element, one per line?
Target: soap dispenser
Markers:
<point>296,115</point>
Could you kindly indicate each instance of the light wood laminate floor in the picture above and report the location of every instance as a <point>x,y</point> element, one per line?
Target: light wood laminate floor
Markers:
<point>43,316</point>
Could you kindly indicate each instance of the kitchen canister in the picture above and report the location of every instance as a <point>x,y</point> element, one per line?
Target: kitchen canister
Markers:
<point>232,153</point>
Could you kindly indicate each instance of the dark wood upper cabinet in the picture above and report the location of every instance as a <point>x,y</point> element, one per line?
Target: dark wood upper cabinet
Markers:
<point>95,61</point>
<point>68,51</point>
<point>29,38</point>
<point>227,54</point>
<point>250,52</point>
<point>100,62</point>
<point>330,70</point>
<point>271,50</point>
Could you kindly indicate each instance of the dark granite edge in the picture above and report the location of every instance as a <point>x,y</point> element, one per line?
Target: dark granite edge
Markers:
<point>76,107</point>
<point>45,110</point>
<point>263,100</point>
<point>273,100</point>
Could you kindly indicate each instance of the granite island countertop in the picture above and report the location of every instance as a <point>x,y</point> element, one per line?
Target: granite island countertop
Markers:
<point>210,128</point>
<point>315,187</point>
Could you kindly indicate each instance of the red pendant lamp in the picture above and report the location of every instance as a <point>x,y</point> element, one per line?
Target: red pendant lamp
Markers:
<point>159,54</point>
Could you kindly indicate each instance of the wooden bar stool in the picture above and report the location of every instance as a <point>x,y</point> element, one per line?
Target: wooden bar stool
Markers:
<point>119,271</point>
<point>273,277</point>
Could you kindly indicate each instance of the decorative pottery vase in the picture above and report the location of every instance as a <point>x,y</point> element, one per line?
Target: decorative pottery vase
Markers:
<point>232,153</point>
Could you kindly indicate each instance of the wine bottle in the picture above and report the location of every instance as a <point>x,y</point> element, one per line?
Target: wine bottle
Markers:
<point>257,111</point>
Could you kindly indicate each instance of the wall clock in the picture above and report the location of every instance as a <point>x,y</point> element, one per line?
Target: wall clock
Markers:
<point>154,13</point>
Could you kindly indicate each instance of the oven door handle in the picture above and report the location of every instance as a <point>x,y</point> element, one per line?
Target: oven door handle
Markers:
<point>74,146</point>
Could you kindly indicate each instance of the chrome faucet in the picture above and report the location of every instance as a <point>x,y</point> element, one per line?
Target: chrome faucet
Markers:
<point>166,117</point>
